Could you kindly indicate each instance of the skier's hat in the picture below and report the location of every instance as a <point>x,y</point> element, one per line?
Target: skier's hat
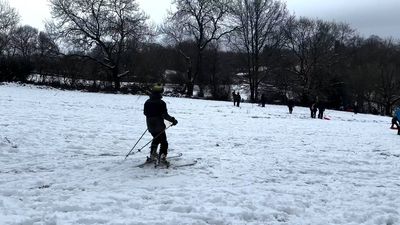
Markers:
<point>157,88</point>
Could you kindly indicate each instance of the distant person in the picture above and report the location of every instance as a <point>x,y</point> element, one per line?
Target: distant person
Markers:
<point>263,100</point>
<point>355,107</point>
<point>321,109</point>
<point>290,104</point>
<point>396,119</point>
<point>156,112</point>
<point>394,123</point>
<point>234,98</point>
<point>238,99</point>
<point>374,111</point>
<point>313,110</point>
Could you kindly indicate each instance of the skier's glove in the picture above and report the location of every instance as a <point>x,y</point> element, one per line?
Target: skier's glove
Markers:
<point>174,121</point>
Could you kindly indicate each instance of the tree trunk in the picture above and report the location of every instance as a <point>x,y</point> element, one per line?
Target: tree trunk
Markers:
<point>116,78</point>
<point>201,91</point>
<point>190,87</point>
<point>198,73</point>
<point>388,109</point>
<point>256,80</point>
<point>252,91</point>
<point>189,83</point>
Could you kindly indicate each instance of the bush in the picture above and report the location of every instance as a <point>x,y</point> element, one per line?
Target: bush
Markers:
<point>14,69</point>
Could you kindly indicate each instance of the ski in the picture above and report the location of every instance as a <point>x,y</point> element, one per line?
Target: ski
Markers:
<point>184,165</point>
<point>173,166</point>
<point>175,156</point>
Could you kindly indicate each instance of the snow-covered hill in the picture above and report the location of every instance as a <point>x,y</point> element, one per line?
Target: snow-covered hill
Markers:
<point>62,162</point>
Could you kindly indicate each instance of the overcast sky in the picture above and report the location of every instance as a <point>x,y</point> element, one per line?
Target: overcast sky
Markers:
<point>380,17</point>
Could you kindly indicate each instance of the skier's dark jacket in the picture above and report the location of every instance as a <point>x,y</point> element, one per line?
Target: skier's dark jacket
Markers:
<point>155,111</point>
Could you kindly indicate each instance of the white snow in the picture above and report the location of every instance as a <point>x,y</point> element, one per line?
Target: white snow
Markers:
<point>62,162</point>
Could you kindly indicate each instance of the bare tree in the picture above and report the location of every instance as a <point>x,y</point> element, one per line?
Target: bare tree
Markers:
<point>46,45</point>
<point>9,18</point>
<point>200,21</point>
<point>316,47</point>
<point>105,24</point>
<point>24,41</point>
<point>374,74</point>
<point>47,50</point>
<point>389,85</point>
<point>219,66</point>
<point>259,25</point>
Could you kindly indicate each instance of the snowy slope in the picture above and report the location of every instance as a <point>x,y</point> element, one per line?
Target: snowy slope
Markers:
<point>62,162</point>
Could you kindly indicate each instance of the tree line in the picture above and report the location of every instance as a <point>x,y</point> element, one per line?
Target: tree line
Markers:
<point>210,44</point>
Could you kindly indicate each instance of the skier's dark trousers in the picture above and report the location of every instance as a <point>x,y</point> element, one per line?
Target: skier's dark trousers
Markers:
<point>156,112</point>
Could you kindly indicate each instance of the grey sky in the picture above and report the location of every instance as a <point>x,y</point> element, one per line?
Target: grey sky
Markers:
<point>380,17</point>
<point>35,12</point>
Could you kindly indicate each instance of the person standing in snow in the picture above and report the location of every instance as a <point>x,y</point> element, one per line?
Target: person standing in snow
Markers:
<point>394,122</point>
<point>321,109</point>
<point>290,105</point>
<point>234,98</point>
<point>238,99</point>
<point>313,110</point>
<point>263,100</point>
<point>355,107</point>
<point>396,119</point>
<point>156,112</point>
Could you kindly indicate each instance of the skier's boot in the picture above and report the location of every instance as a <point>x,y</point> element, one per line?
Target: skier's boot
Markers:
<point>153,154</point>
<point>163,160</point>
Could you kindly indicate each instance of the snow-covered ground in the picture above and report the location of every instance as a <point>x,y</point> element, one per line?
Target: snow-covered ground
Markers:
<point>62,162</point>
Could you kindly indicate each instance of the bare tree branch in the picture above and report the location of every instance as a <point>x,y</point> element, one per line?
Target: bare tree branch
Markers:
<point>105,25</point>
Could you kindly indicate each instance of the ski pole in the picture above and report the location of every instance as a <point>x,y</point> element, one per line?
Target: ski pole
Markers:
<point>140,149</point>
<point>135,144</point>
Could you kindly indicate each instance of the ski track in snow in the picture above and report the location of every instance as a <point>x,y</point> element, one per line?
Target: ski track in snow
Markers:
<point>62,162</point>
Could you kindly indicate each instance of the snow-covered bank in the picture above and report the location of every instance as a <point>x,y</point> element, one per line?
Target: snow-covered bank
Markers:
<point>62,162</point>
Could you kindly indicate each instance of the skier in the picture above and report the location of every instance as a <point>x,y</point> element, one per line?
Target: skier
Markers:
<point>290,105</point>
<point>156,112</point>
